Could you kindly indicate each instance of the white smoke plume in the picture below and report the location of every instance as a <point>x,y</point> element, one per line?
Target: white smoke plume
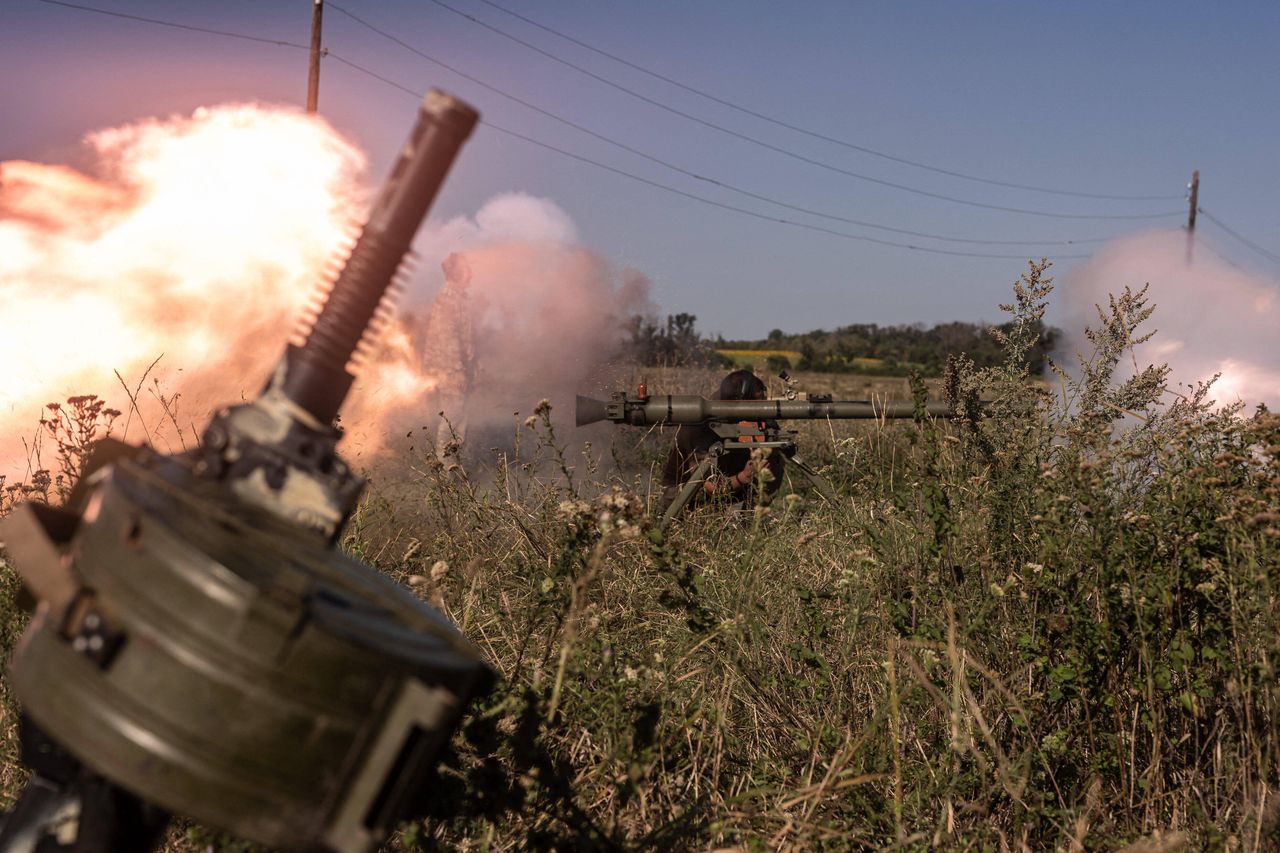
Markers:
<point>1211,317</point>
<point>547,318</point>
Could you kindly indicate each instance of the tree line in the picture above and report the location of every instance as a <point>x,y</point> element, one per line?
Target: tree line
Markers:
<point>856,348</point>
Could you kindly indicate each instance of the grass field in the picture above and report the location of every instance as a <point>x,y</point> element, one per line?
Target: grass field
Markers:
<point>759,359</point>
<point>1027,631</point>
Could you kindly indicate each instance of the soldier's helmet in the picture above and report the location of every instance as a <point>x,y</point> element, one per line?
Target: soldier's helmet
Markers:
<point>742,385</point>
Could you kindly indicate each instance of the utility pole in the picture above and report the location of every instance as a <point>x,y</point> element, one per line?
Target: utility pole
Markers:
<point>1195,192</point>
<point>313,78</point>
<point>1191,212</point>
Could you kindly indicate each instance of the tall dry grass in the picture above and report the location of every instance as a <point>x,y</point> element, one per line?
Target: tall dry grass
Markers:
<point>1050,626</point>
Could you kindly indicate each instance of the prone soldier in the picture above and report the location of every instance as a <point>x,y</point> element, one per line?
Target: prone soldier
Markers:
<point>738,471</point>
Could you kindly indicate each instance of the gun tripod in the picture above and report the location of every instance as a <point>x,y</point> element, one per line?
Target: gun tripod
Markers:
<point>67,808</point>
<point>785,446</point>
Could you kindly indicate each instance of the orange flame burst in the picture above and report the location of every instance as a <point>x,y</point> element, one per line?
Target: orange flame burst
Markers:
<point>202,238</point>
<point>199,241</point>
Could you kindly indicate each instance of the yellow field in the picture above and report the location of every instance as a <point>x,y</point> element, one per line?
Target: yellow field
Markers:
<point>757,357</point>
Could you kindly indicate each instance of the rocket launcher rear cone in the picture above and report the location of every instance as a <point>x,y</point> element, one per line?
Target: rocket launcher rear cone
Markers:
<point>589,411</point>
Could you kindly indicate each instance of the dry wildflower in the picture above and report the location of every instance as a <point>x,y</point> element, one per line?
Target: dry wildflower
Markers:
<point>575,512</point>
<point>621,511</point>
<point>615,500</point>
<point>439,569</point>
<point>759,457</point>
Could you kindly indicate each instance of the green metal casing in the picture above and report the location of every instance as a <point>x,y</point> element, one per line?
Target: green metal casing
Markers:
<point>248,675</point>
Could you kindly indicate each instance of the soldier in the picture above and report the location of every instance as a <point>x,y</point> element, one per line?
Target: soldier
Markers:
<point>449,354</point>
<point>737,469</point>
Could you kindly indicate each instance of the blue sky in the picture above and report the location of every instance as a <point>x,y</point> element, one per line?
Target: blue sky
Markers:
<point>1093,97</point>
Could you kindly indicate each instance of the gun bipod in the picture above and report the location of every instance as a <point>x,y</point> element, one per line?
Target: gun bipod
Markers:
<point>786,446</point>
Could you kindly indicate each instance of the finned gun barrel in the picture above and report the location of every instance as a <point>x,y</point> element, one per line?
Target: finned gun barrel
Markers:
<point>691,409</point>
<point>315,375</point>
<point>202,646</point>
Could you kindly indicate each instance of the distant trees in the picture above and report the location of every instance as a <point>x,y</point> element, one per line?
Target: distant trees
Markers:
<point>777,363</point>
<point>857,348</point>
<point>871,348</point>
<point>675,344</point>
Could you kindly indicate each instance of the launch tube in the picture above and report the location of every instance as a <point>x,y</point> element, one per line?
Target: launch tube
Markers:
<point>692,409</point>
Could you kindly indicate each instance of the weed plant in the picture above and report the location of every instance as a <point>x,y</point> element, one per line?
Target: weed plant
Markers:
<point>1049,624</point>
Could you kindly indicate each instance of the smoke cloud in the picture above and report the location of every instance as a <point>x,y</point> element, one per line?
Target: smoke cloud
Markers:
<point>198,239</point>
<point>195,242</point>
<point>547,318</point>
<point>1211,317</point>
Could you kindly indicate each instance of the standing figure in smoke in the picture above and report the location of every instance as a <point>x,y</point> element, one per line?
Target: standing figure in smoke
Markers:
<point>450,354</point>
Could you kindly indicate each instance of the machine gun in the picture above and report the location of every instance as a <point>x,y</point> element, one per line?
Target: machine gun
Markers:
<point>200,647</point>
<point>741,425</point>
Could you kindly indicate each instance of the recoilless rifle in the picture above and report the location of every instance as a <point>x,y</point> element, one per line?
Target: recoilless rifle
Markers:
<point>741,425</point>
<point>201,647</point>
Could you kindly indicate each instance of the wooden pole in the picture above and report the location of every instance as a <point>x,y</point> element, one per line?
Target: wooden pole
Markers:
<point>313,77</point>
<point>1191,214</point>
<point>1195,194</point>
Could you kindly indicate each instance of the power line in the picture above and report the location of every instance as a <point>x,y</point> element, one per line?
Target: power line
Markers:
<point>175,26</point>
<point>1269,255</point>
<point>696,176</point>
<point>416,95</point>
<point>762,216</point>
<point>1227,260</point>
<point>775,148</point>
<point>814,134</point>
<point>694,196</point>
<point>375,75</point>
